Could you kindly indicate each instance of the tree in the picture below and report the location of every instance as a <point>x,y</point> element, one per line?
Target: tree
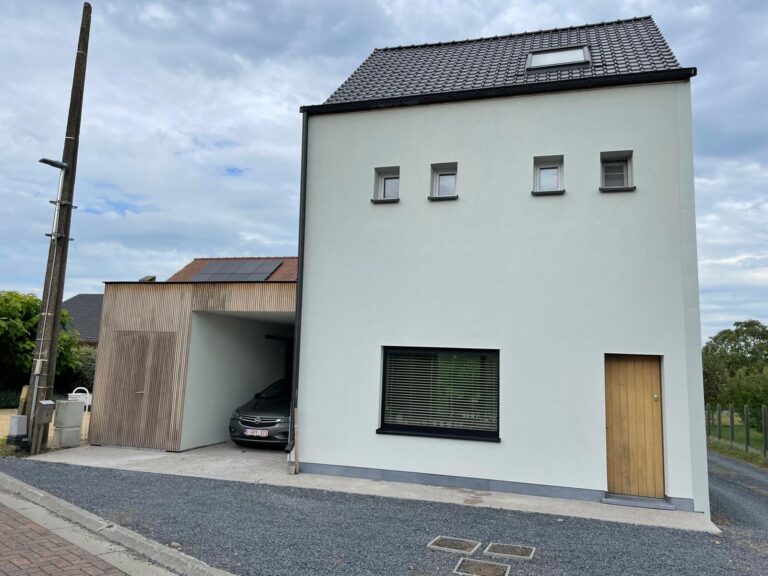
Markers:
<point>715,376</point>
<point>19,315</point>
<point>743,346</point>
<point>735,364</point>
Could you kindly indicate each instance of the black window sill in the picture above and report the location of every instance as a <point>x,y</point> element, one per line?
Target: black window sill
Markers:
<point>450,434</point>
<point>547,192</point>
<point>439,198</point>
<point>618,189</point>
<point>384,200</point>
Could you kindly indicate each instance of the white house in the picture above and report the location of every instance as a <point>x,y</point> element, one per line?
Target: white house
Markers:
<point>498,283</point>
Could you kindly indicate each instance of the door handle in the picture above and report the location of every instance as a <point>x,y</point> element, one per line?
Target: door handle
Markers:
<point>655,397</point>
<point>139,392</point>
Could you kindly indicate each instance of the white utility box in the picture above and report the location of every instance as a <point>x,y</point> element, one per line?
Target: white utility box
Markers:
<point>17,429</point>
<point>67,423</point>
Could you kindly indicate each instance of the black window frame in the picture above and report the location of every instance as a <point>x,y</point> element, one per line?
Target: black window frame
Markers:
<point>438,432</point>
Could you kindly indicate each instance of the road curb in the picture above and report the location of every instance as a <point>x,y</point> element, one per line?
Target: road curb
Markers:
<point>174,560</point>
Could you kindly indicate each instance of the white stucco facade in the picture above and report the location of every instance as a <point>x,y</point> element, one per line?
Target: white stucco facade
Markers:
<point>553,283</point>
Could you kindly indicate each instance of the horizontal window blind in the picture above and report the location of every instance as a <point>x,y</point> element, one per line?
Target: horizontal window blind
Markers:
<point>455,391</point>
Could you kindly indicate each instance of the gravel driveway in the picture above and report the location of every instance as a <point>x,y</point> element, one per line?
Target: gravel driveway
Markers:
<point>739,495</point>
<point>252,529</point>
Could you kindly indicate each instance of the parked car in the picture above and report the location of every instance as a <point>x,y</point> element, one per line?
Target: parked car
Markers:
<point>264,419</point>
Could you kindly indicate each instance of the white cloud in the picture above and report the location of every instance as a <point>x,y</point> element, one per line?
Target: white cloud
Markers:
<point>190,141</point>
<point>157,15</point>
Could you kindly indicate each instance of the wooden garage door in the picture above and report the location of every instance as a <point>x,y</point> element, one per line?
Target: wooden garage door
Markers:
<point>633,425</point>
<point>135,407</point>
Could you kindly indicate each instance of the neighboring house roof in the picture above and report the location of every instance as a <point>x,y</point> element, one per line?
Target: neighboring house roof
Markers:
<point>259,269</point>
<point>85,311</point>
<point>621,52</point>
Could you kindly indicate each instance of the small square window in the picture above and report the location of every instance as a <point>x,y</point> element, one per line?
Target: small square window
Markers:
<point>391,187</point>
<point>614,174</point>
<point>444,182</point>
<point>387,185</point>
<point>616,171</point>
<point>548,176</point>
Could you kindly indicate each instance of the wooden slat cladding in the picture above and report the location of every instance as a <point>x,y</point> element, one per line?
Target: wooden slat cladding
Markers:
<point>119,406</point>
<point>144,347</point>
<point>633,425</point>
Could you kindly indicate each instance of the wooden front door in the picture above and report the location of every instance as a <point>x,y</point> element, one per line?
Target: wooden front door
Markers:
<point>633,425</point>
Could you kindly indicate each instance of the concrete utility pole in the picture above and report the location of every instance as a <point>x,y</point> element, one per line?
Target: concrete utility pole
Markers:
<point>44,359</point>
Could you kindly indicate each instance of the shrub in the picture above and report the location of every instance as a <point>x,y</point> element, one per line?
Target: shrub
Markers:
<point>9,399</point>
<point>81,374</point>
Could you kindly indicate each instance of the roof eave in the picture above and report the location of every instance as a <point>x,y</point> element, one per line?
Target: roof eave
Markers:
<point>674,75</point>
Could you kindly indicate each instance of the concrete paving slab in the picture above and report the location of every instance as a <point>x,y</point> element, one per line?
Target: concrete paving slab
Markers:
<point>227,461</point>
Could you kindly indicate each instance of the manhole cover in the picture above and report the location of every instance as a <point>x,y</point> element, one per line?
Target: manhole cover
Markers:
<point>448,544</point>
<point>510,551</point>
<point>470,567</point>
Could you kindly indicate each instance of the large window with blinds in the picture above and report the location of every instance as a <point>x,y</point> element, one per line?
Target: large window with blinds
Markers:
<point>441,392</point>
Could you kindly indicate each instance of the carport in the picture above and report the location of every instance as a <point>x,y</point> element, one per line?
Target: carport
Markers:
<point>176,357</point>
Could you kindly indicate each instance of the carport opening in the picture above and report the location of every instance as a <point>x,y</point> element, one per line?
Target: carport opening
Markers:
<point>233,356</point>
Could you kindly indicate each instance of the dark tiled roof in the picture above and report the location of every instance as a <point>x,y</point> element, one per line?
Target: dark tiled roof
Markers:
<point>85,310</point>
<point>286,272</point>
<point>617,49</point>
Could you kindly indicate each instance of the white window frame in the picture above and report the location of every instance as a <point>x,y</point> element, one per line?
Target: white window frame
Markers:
<point>618,158</point>
<point>446,169</point>
<point>543,163</point>
<point>381,176</point>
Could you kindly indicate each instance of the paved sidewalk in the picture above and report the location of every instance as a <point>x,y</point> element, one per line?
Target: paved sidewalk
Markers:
<point>36,542</point>
<point>28,549</point>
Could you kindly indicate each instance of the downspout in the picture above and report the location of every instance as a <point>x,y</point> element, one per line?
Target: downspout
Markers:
<point>292,446</point>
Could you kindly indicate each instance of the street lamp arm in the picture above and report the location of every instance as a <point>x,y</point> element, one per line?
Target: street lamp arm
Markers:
<point>54,163</point>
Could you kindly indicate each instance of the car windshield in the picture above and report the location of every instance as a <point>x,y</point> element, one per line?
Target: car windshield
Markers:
<point>279,389</point>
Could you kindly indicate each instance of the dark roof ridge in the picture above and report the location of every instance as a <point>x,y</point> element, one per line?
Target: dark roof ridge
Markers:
<point>514,34</point>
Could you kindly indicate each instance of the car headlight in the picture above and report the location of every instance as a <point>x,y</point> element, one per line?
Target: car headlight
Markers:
<point>285,419</point>
<point>235,415</point>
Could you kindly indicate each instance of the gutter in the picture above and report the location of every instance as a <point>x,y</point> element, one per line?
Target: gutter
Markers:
<point>674,75</point>
<point>292,445</point>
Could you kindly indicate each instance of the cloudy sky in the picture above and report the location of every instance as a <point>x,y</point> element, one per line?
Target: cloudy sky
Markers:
<point>190,140</point>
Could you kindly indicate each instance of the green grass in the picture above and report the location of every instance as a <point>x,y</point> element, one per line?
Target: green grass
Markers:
<point>755,438</point>
<point>8,450</point>
<point>726,449</point>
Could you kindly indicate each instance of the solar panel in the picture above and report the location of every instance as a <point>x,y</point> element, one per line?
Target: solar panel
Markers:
<point>230,267</point>
<point>249,266</point>
<point>237,270</point>
<point>213,267</point>
<point>269,266</point>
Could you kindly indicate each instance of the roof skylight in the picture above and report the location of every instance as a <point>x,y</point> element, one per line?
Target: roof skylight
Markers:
<point>562,57</point>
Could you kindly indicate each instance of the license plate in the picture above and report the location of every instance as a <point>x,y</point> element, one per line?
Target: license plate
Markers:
<point>257,433</point>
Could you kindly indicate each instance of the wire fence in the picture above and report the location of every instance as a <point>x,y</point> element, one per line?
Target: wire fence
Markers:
<point>743,426</point>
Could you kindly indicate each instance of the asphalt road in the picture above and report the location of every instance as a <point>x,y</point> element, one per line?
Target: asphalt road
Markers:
<point>739,501</point>
<point>252,529</point>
